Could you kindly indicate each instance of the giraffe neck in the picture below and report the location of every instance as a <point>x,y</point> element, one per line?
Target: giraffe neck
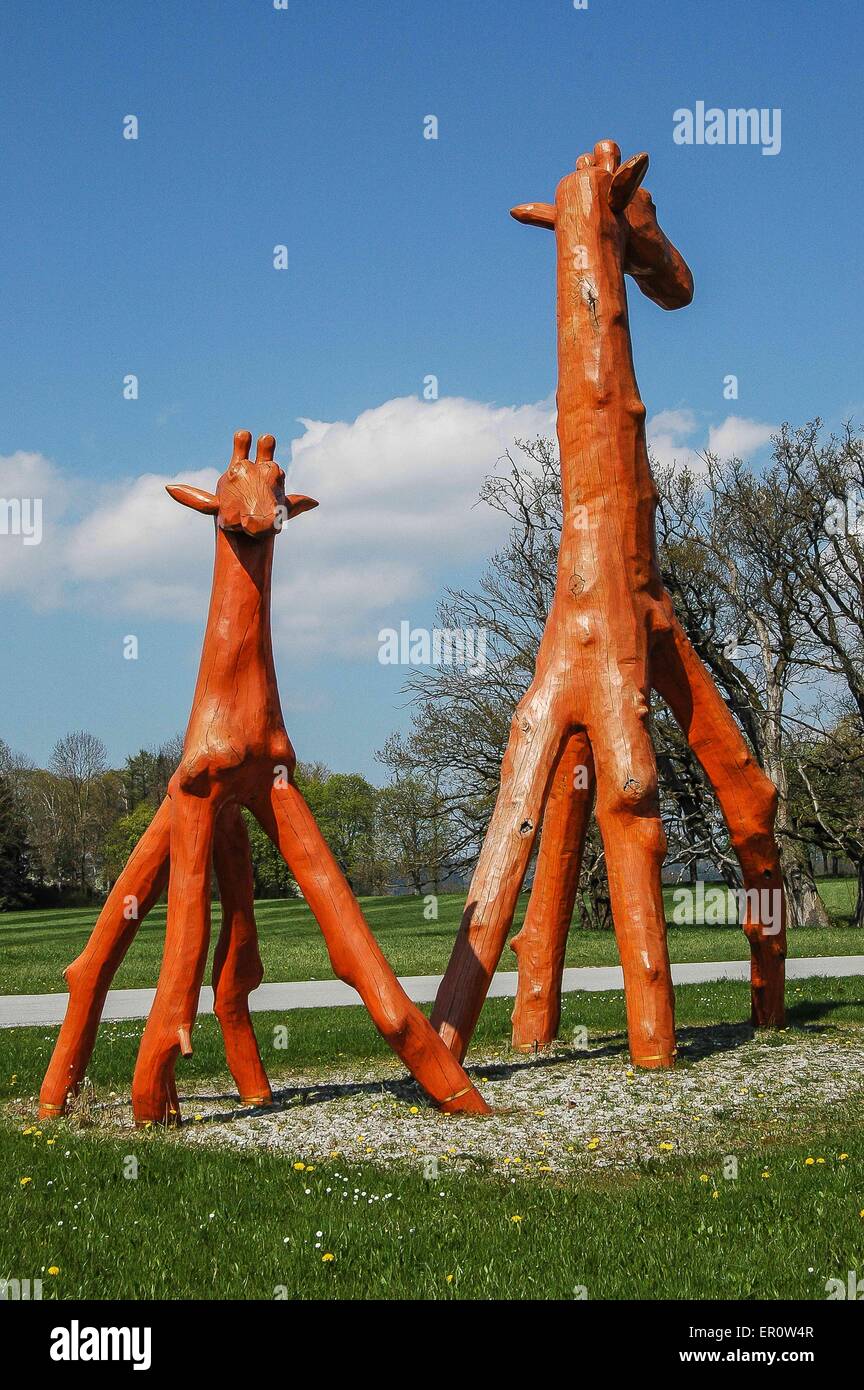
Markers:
<point>237,656</point>
<point>608,493</point>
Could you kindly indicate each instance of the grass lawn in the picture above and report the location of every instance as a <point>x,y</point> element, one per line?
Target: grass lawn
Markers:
<point>36,946</point>
<point>209,1223</point>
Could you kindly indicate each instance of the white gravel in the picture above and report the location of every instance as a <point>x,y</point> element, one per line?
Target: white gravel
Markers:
<point>556,1112</point>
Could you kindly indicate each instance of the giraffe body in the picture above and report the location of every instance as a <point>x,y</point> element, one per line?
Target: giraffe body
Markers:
<point>611,637</point>
<point>236,754</point>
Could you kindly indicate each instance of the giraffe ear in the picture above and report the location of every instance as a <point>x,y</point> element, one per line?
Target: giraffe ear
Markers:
<point>194,497</point>
<point>535,214</point>
<point>626,180</point>
<point>295,504</point>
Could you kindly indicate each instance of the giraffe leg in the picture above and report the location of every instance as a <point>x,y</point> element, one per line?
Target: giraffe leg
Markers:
<point>748,801</point>
<point>628,812</point>
<point>541,944</point>
<point>187,937</point>
<point>537,736</point>
<point>356,956</point>
<point>237,968</point>
<point>89,977</point>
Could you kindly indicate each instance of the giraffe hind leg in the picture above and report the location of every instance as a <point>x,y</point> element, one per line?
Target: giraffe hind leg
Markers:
<point>237,968</point>
<point>356,956</point>
<point>541,944</point>
<point>538,735</point>
<point>89,977</point>
<point>748,802</point>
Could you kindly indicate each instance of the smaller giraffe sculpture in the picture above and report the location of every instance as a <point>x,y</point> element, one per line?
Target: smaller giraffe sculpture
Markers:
<point>582,732</point>
<point>236,753</point>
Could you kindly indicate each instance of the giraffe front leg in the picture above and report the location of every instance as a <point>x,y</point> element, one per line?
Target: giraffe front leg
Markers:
<point>536,739</point>
<point>187,936</point>
<point>356,956</point>
<point>237,968</point>
<point>628,812</point>
<point>541,944</point>
<point>748,802</point>
<point>89,977</point>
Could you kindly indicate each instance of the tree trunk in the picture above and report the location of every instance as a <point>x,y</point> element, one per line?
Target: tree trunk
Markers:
<point>804,906</point>
<point>859,903</point>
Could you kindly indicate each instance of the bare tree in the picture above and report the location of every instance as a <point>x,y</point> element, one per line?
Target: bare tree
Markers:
<point>82,802</point>
<point>725,546</point>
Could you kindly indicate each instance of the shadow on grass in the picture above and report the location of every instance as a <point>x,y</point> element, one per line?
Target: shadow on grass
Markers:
<point>811,1011</point>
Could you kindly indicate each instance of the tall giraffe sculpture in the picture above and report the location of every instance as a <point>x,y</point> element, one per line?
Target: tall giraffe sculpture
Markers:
<point>236,753</point>
<point>581,733</point>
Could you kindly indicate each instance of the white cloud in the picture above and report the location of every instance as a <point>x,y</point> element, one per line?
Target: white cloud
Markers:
<point>397,488</point>
<point>738,438</point>
<point>398,517</point>
<point>671,438</point>
<point>667,432</point>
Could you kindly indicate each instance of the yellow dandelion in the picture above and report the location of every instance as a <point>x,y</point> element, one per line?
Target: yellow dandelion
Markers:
<point>414,1110</point>
<point>820,1160</point>
<point>327,1259</point>
<point>715,1193</point>
<point>517,1218</point>
<point>24,1181</point>
<point>809,1162</point>
<point>449,1278</point>
<point>54,1269</point>
<point>766,1173</point>
<point>49,1142</point>
<point>299,1167</point>
<point>667,1147</point>
<point>539,1114</point>
<point>842,1157</point>
<point>703,1177</point>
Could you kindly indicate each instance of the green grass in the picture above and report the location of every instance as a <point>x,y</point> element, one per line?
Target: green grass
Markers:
<point>36,946</point>
<point>211,1223</point>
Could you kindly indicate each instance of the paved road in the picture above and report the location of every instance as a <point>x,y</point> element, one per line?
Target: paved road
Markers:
<point>17,1010</point>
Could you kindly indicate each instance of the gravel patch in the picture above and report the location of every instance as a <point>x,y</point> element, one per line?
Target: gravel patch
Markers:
<point>557,1112</point>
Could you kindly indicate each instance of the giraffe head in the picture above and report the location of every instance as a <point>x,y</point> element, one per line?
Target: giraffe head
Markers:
<point>602,193</point>
<point>250,496</point>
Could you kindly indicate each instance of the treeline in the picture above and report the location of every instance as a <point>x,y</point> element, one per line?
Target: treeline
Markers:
<point>67,830</point>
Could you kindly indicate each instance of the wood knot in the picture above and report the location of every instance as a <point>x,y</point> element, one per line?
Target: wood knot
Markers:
<point>526,827</point>
<point>576,585</point>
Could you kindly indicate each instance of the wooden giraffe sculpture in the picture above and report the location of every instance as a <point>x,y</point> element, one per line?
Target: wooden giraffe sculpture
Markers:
<point>611,636</point>
<point>236,753</point>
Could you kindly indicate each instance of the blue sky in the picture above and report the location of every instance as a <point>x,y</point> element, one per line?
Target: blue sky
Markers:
<point>304,127</point>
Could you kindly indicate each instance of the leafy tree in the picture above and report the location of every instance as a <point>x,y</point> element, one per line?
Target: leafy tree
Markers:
<point>15,881</point>
<point>416,837</point>
<point>122,838</point>
<point>271,875</point>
